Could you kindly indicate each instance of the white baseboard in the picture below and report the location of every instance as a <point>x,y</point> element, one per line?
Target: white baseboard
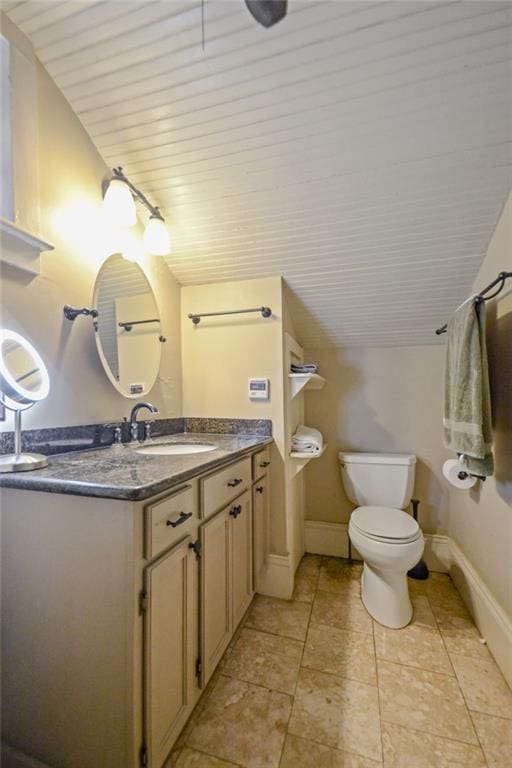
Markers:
<point>277,578</point>
<point>332,539</point>
<point>490,618</point>
<point>326,538</point>
<point>442,555</point>
<point>12,758</point>
<point>437,552</point>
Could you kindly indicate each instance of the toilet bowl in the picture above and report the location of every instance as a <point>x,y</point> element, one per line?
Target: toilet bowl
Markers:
<point>388,539</point>
<point>390,543</point>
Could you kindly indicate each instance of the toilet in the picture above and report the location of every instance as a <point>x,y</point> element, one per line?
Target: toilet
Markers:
<point>388,539</point>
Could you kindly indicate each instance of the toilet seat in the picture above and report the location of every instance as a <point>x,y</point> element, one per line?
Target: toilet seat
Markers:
<point>385,524</point>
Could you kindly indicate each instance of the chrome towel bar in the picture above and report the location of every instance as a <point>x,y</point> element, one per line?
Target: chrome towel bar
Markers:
<point>196,316</point>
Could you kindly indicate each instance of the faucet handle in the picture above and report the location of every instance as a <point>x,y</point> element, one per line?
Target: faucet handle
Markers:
<point>147,430</point>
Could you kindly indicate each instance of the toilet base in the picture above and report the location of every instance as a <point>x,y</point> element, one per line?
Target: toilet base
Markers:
<point>385,595</point>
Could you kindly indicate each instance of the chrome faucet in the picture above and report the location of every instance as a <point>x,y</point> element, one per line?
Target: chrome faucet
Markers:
<point>134,428</point>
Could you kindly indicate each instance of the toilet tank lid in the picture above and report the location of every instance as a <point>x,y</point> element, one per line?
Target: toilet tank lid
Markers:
<point>376,458</point>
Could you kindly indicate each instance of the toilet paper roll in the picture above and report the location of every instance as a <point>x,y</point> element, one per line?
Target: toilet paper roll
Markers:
<point>451,470</point>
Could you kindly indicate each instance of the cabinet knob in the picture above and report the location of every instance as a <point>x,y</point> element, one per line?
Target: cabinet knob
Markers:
<point>236,510</point>
<point>259,489</point>
<point>236,481</point>
<point>182,517</point>
<point>264,464</point>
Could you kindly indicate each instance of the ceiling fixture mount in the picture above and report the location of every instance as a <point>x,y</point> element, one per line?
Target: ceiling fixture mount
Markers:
<point>119,204</point>
<point>267,12</point>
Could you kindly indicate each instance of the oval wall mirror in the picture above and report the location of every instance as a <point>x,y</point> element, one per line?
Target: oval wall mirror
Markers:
<point>127,327</point>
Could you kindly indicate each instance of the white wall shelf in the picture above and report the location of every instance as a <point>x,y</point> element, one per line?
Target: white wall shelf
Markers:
<point>301,459</point>
<point>300,381</point>
<point>21,248</point>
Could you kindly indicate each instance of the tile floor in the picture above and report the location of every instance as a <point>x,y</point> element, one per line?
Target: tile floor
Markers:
<point>315,683</point>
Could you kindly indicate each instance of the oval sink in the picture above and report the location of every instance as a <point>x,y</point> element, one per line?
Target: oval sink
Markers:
<point>175,449</point>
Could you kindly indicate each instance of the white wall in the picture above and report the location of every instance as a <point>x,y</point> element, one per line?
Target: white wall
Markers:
<point>71,217</point>
<point>481,520</point>
<point>378,399</point>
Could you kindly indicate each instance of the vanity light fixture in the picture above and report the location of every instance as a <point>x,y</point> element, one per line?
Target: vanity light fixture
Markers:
<point>156,236</point>
<point>119,203</point>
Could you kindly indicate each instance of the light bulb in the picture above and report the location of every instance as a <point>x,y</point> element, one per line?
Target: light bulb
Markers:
<point>157,240</point>
<point>119,204</point>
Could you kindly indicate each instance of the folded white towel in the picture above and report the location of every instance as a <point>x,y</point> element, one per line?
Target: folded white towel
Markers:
<point>307,439</point>
<point>304,368</point>
<point>305,448</point>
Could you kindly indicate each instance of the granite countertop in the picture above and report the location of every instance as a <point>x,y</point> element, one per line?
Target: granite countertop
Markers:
<point>119,472</point>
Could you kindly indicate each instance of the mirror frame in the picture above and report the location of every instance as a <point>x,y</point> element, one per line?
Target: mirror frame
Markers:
<point>12,395</point>
<point>101,354</point>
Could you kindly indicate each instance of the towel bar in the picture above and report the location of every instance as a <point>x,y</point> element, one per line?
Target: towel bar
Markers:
<point>196,316</point>
<point>481,297</point>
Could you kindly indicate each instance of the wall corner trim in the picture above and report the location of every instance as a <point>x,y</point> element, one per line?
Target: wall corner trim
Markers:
<point>277,578</point>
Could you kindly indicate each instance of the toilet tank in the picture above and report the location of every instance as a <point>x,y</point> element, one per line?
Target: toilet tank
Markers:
<point>378,479</point>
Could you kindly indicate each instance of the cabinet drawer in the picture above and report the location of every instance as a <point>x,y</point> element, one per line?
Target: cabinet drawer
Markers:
<point>168,519</point>
<point>261,462</point>
<point>219,489</point>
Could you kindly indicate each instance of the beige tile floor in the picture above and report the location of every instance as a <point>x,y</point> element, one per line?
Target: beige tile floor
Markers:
<point>315,683</point>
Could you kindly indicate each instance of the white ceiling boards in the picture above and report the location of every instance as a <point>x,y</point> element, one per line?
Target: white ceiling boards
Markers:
<point>362,150</point>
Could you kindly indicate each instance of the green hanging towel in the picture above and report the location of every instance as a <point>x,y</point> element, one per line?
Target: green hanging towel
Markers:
<point>467,401</point>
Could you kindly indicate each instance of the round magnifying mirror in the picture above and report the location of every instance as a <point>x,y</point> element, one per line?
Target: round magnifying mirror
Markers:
<point>24,381</point>
<point>128,326</point>
<point>23,375</point>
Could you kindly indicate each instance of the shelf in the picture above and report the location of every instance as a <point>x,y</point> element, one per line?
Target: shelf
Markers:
<point>20,248</point>
<point>301,459</point>
<point>302,381</point>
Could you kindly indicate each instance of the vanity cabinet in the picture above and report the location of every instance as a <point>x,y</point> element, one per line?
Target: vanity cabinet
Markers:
<point>170,647</point>
<point>261,523</point>
<point>116,612</point>
<point>215,624</point>
<point>221,487</point>
<point>261,465</point>
<point>226,579</point>
<point>169,519</point>
<point>241,558</point>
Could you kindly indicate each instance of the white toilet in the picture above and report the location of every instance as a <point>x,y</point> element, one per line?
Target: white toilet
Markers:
<point>389,540</point>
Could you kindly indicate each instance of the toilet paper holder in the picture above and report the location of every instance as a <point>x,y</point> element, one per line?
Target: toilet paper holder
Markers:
<point>463,475</point>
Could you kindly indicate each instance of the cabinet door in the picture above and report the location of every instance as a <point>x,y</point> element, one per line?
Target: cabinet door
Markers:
<point>260,514</point>
<point>241,556</point>
<point>170,629</point>
<point>215,602</point>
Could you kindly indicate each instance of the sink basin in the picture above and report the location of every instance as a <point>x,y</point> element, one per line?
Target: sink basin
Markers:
<point>175,449</point>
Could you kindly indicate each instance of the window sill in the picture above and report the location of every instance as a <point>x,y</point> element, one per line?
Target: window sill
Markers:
<point>20,248</point>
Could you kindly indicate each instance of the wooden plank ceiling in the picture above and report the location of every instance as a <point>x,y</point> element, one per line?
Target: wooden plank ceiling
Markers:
<point>360,149</point>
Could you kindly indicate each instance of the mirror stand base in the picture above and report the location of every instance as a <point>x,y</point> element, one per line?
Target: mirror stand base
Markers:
<point>22,462</point>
